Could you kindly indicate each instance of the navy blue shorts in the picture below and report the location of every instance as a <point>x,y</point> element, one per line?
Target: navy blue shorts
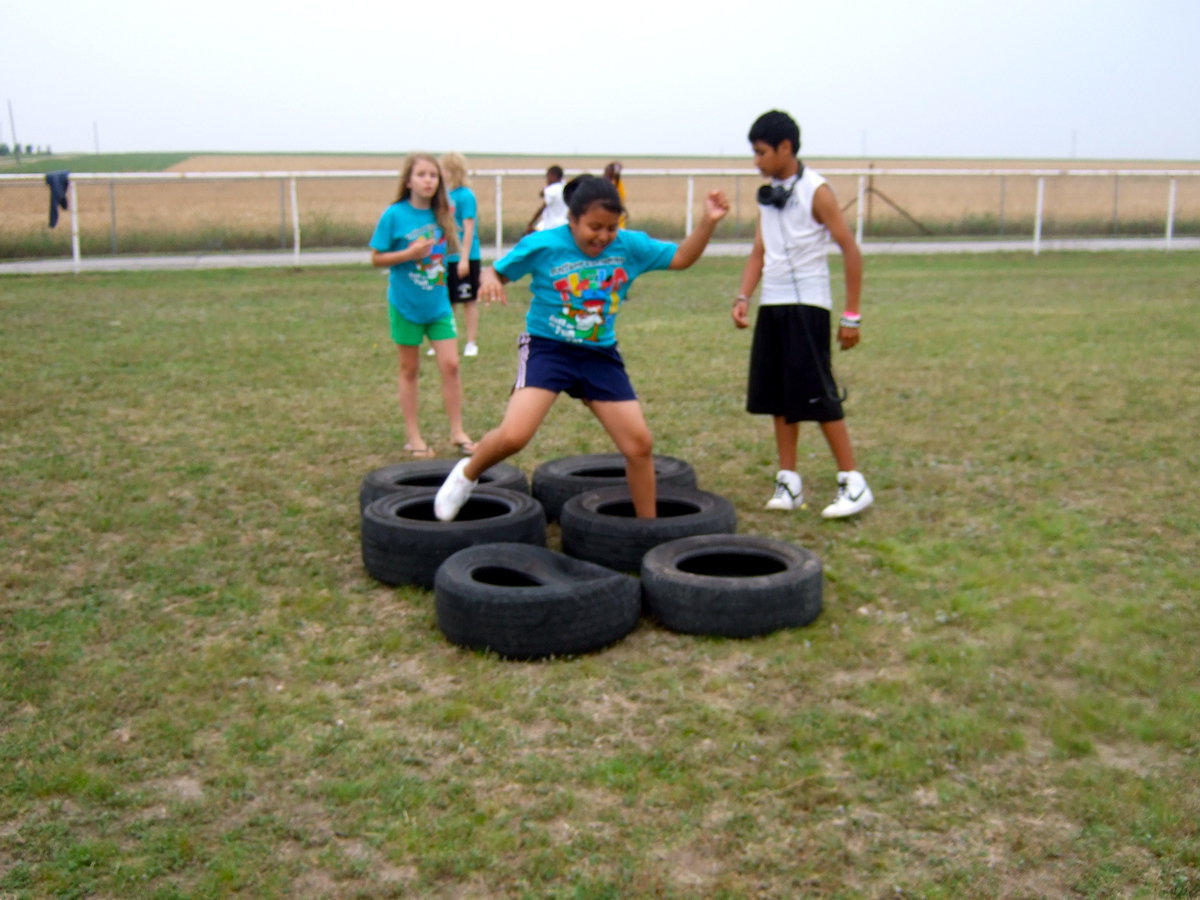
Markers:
<point>583,372</point>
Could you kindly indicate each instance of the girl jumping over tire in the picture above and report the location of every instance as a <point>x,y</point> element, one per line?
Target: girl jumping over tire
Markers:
<point>580,274</point>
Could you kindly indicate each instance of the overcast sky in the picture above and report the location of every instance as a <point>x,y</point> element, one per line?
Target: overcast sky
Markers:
<point>1092,79</point>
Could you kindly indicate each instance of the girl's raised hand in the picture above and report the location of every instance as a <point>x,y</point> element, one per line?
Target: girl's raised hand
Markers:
<point>419,249</point>
<point>716,205</point>
<point>491,288</point>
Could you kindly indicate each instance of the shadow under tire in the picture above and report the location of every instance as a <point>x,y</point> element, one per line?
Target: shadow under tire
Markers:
<point>732,585</point>
<point>431,473</point>
<point>404,543</point>
<point>527,602</point>
<point>558,480</point>
<point>600,525</point>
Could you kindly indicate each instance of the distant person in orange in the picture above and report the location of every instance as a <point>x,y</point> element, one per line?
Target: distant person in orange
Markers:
<point>613,173</point>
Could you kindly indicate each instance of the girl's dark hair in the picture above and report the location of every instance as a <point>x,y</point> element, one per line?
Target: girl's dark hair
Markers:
<point>584,191</point>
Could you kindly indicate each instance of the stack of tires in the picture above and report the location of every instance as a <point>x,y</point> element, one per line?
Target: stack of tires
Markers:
<point>497,586</point>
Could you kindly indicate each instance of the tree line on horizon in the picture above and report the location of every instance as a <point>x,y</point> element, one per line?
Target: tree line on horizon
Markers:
<point>23,150</point>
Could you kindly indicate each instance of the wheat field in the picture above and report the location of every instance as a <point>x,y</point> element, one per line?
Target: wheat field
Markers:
<point>336,210</point>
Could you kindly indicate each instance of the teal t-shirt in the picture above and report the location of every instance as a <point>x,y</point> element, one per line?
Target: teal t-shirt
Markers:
<point>416,289</point>
<point>576,298</point>
<point>465,207</point>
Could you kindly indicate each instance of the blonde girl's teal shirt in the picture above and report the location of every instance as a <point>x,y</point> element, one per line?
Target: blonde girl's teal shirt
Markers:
<point>466,207</point>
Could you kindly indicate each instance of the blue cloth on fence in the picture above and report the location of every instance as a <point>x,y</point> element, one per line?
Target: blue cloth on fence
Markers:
<point>58,182</point>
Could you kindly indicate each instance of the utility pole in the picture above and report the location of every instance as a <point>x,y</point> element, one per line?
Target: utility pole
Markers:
<point>12,126</point>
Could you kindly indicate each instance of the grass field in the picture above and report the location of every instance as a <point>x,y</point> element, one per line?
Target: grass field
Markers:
<point>201,216</point>
<point>202,694</point>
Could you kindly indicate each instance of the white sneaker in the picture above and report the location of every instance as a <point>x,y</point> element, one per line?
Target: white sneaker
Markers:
<point>788,491</point>
<point>472,349</point>
<point>853,496</point>
<point>453,493</point>
<point>431,352</point>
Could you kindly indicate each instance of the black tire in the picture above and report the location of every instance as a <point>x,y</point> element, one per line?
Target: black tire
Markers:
<point>431,473</point>
<point>600,525</point>
<point>732,585</point>
<point>558,480</point>
<point>404,543</point>
<point>526,602</point>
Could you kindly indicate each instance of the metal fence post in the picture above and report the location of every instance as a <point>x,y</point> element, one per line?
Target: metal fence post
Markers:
<point>1003,201</point>
<point>282,214</point>
<point>737,205</point>
<point>1170,213</point>
<point>75,259</point>
<point>499,214</point>
<point>691,195</point>
<point>1116,202</point>
<point>1037,226</point>
<point>112,217</point>
<point>858,209</point>
<point>295,224</point>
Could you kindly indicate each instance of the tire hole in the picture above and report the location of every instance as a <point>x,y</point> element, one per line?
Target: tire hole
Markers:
<point>475,509</point>
<point>666,509</point>
<point>434,480</point>
<point>499,576</point>
<point>731,565</point>
<point>600,472</point>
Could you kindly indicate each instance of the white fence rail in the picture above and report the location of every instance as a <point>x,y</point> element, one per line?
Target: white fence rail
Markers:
<point>864,177</point>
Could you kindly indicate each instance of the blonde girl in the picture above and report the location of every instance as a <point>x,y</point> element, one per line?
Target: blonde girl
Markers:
<point>462,273</point>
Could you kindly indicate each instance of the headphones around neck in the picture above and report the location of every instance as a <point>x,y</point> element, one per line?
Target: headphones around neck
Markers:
<point>777,195</point>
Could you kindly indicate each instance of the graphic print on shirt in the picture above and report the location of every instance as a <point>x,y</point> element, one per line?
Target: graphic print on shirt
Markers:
<point>590,297</point>
<point>430,270</point>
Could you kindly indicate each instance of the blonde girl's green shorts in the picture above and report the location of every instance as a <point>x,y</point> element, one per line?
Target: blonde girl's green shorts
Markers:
<point>411,334</point>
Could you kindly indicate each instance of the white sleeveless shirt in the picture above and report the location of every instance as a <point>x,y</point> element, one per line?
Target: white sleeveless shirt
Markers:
<point>795,268</point>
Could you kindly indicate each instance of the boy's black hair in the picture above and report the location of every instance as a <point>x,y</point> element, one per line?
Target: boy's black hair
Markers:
<point>556,171</point>
<point>775,127</point>
<point>585,191</point>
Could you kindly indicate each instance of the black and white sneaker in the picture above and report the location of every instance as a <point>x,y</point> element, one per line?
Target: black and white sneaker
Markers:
<point>853,496</point>
<point>789,493</point>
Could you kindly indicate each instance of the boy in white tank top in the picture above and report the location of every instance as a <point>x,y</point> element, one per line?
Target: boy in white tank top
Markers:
<point>791,376</point>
